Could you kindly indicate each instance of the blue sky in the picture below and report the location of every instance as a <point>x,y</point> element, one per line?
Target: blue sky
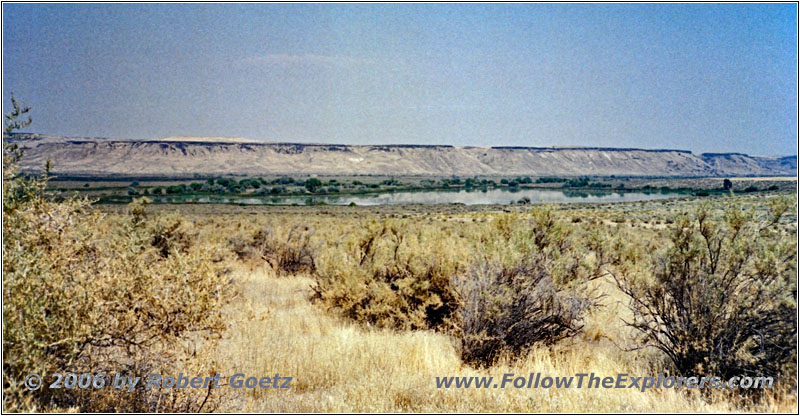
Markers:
<point>701,77</point>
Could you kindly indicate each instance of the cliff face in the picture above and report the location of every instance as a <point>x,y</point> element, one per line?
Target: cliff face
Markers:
<point>209,156</point>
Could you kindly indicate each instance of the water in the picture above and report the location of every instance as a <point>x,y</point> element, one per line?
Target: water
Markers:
<point>468,197</point>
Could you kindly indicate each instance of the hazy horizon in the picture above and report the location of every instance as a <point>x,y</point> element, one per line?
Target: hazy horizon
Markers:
<point>709,78</point>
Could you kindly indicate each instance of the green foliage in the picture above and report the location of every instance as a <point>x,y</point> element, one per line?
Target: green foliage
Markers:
<point>176,189</point>
<point>577,183</point>
<point>250,183</point>
<point>312,184</point>
<point>13,120</point>
<point>727,184</point>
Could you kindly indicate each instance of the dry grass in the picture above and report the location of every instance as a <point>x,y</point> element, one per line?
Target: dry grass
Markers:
<point>339,366</point>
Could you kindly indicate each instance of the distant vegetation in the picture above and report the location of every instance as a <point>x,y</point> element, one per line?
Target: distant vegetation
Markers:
<point>290,186</point>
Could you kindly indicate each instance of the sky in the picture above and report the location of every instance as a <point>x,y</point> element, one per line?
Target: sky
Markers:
<point>699,77</point>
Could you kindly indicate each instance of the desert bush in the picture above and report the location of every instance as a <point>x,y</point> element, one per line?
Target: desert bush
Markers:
<point>168,233</point>
<point>499,287</point>
<point>288,250</point>
<point>506,311</point>
<point>391,274</point>
<point>722,296</point>
<point>524,289</point>
<point>86,293</point>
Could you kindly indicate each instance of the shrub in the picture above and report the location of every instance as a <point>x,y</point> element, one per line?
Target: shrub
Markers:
<point>390,274</point>
<point>550,179</point>
<point>508,310</point>
<point>727,184</point>
<point>82,293</point>
<point>83,297</point>
<point>286,250</point>
<point>526,289</point>
<point>312,184</point>
<point>721,299</point>
<point>498,288</point>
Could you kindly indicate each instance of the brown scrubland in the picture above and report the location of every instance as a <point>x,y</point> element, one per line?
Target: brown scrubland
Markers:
<point>365,307</point>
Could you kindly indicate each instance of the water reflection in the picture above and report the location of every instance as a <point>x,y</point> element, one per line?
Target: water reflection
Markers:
<point>463,196</point>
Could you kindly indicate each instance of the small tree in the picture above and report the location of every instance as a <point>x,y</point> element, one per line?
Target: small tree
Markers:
<point>312,184</point>
<point>727,184</point>
<point>15,119</point>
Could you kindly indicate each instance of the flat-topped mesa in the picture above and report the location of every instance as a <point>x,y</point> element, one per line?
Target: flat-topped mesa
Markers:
<point>604,149</point>
<point>189,156</point>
